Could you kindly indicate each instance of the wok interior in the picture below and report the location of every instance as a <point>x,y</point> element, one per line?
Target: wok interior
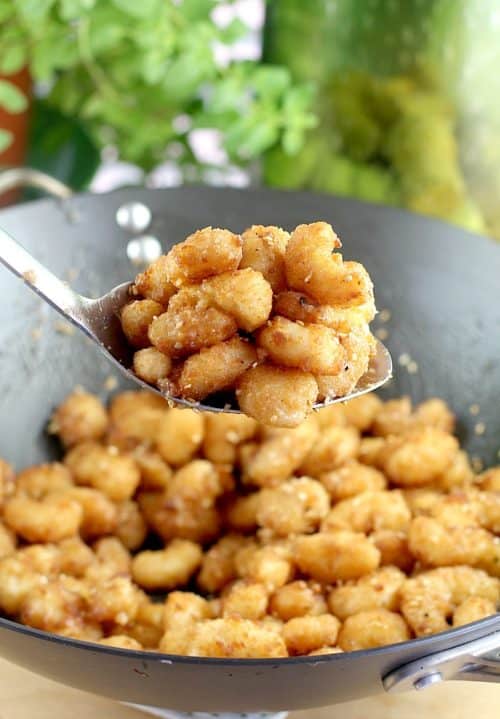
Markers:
<point>438,284</point>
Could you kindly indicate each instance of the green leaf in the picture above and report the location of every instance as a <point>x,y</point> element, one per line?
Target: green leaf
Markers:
<point>11,98</point>
<point>33,12</point>
<point>137,8</point>
<point>292,141</point>
<point>233,32</point>
<point>12,58</point>
<point>73,9</point>
<point>6,138</point>
<point>271,82</point>
<point>249,137</point>
<point>195,10</point>
<point>7,10</point>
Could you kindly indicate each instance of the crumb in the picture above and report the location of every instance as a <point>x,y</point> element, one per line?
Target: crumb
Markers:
<point>72,274</point>
<point>474,409</point>
<point>385,315</point>
<point>404,359</point>
<point>64,328</point>
<point>382,333</point>
<point>477,463</point>
<point>412,367</point>
<point>30,276</point>
<point>36,334</point>
<point>110,383</point>
<point>480,428</point>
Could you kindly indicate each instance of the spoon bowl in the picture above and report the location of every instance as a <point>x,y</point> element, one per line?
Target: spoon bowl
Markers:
<point>99,319</point>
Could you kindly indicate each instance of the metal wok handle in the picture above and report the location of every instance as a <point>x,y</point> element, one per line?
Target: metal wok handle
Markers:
<point>478,660</point>
<point>14,177</point>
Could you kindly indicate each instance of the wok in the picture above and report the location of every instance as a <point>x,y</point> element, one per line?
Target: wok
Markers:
<point>441,285</point>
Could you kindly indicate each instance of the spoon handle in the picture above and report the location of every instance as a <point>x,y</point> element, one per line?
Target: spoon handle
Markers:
<point>41,280</point>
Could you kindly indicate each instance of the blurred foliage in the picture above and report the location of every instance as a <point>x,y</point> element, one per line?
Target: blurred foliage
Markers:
<point>390,140</point>
<point>408,100</point>
<point>60,146</point>
<point>127,70</point>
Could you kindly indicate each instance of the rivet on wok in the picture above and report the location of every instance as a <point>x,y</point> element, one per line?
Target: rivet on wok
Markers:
<point>133,217</point>
<point>143,250</point>
<point>427,680</point>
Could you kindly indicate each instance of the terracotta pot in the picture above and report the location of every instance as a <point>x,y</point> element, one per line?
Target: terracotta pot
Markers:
<point>18,125</point>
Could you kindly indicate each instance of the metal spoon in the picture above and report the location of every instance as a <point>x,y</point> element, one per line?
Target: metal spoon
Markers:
<point>99,320</point>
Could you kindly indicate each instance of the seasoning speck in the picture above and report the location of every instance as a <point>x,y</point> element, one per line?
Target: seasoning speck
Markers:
<point>382,333</point>
<point>72,274</point>
<point>480,428</point>
<point>64,328</point>
<point>36,334</point>
<point>477,464</point>
<point>110,383</point>
<point>30,276</point>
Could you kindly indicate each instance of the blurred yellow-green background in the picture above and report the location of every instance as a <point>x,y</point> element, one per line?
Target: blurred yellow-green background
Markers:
<point>391,102</point>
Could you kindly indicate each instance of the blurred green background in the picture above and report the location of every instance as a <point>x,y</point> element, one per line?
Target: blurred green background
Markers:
<point>391,102</point>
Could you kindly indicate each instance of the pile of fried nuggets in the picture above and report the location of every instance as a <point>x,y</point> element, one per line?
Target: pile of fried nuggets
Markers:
<point>279,320</point>
<point>213,535</point>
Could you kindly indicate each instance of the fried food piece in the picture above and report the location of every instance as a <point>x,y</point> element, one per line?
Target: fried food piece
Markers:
<point>179,435</point>
<point>276,396</point>
<point>136,318</point>
<point>223,434</point>
<point>80,417</point>
<point>312,266</point>
<point>352,478</point>
<point>151,365</point>
<point>358,347</point>
<point>295,507</point>
<point>297,599</point>
<point>243,294</point>
<point>306,634</point>
<point>207,252</point>
<point>368,512</point>
<point>104,469</point>
<point>264,250</point>
<point>310,348</point>
<point>215,368</point>
<point>178,333</point>
<point>167,568</point>
<point>153,283</point>
<point>228,637</point>
<point>246,599</point>
<point>380,588</point>
<point>372,628</point>
<point>48,520</point>
<point>278,455</point>
<point>335,446</point>
<point>218,567</point>
<point>429,599</point>
<point>300,307</point>
<point>338,556</point>
<point>419,457</point>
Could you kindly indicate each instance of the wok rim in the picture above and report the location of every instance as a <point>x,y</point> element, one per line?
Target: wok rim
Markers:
<point>427,645</point>
<point>492,623</point>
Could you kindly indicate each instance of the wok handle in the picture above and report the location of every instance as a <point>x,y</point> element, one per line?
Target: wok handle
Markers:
<point>478,660</point>
<point>14,177</point>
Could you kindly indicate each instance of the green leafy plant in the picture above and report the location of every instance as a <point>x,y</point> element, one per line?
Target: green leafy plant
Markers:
<point>141,74</point>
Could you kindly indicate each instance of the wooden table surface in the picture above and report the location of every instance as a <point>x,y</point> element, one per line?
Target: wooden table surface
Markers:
<point>27,696</point>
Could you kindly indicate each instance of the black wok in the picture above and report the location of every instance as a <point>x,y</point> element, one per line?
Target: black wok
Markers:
<point>442,286</point>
